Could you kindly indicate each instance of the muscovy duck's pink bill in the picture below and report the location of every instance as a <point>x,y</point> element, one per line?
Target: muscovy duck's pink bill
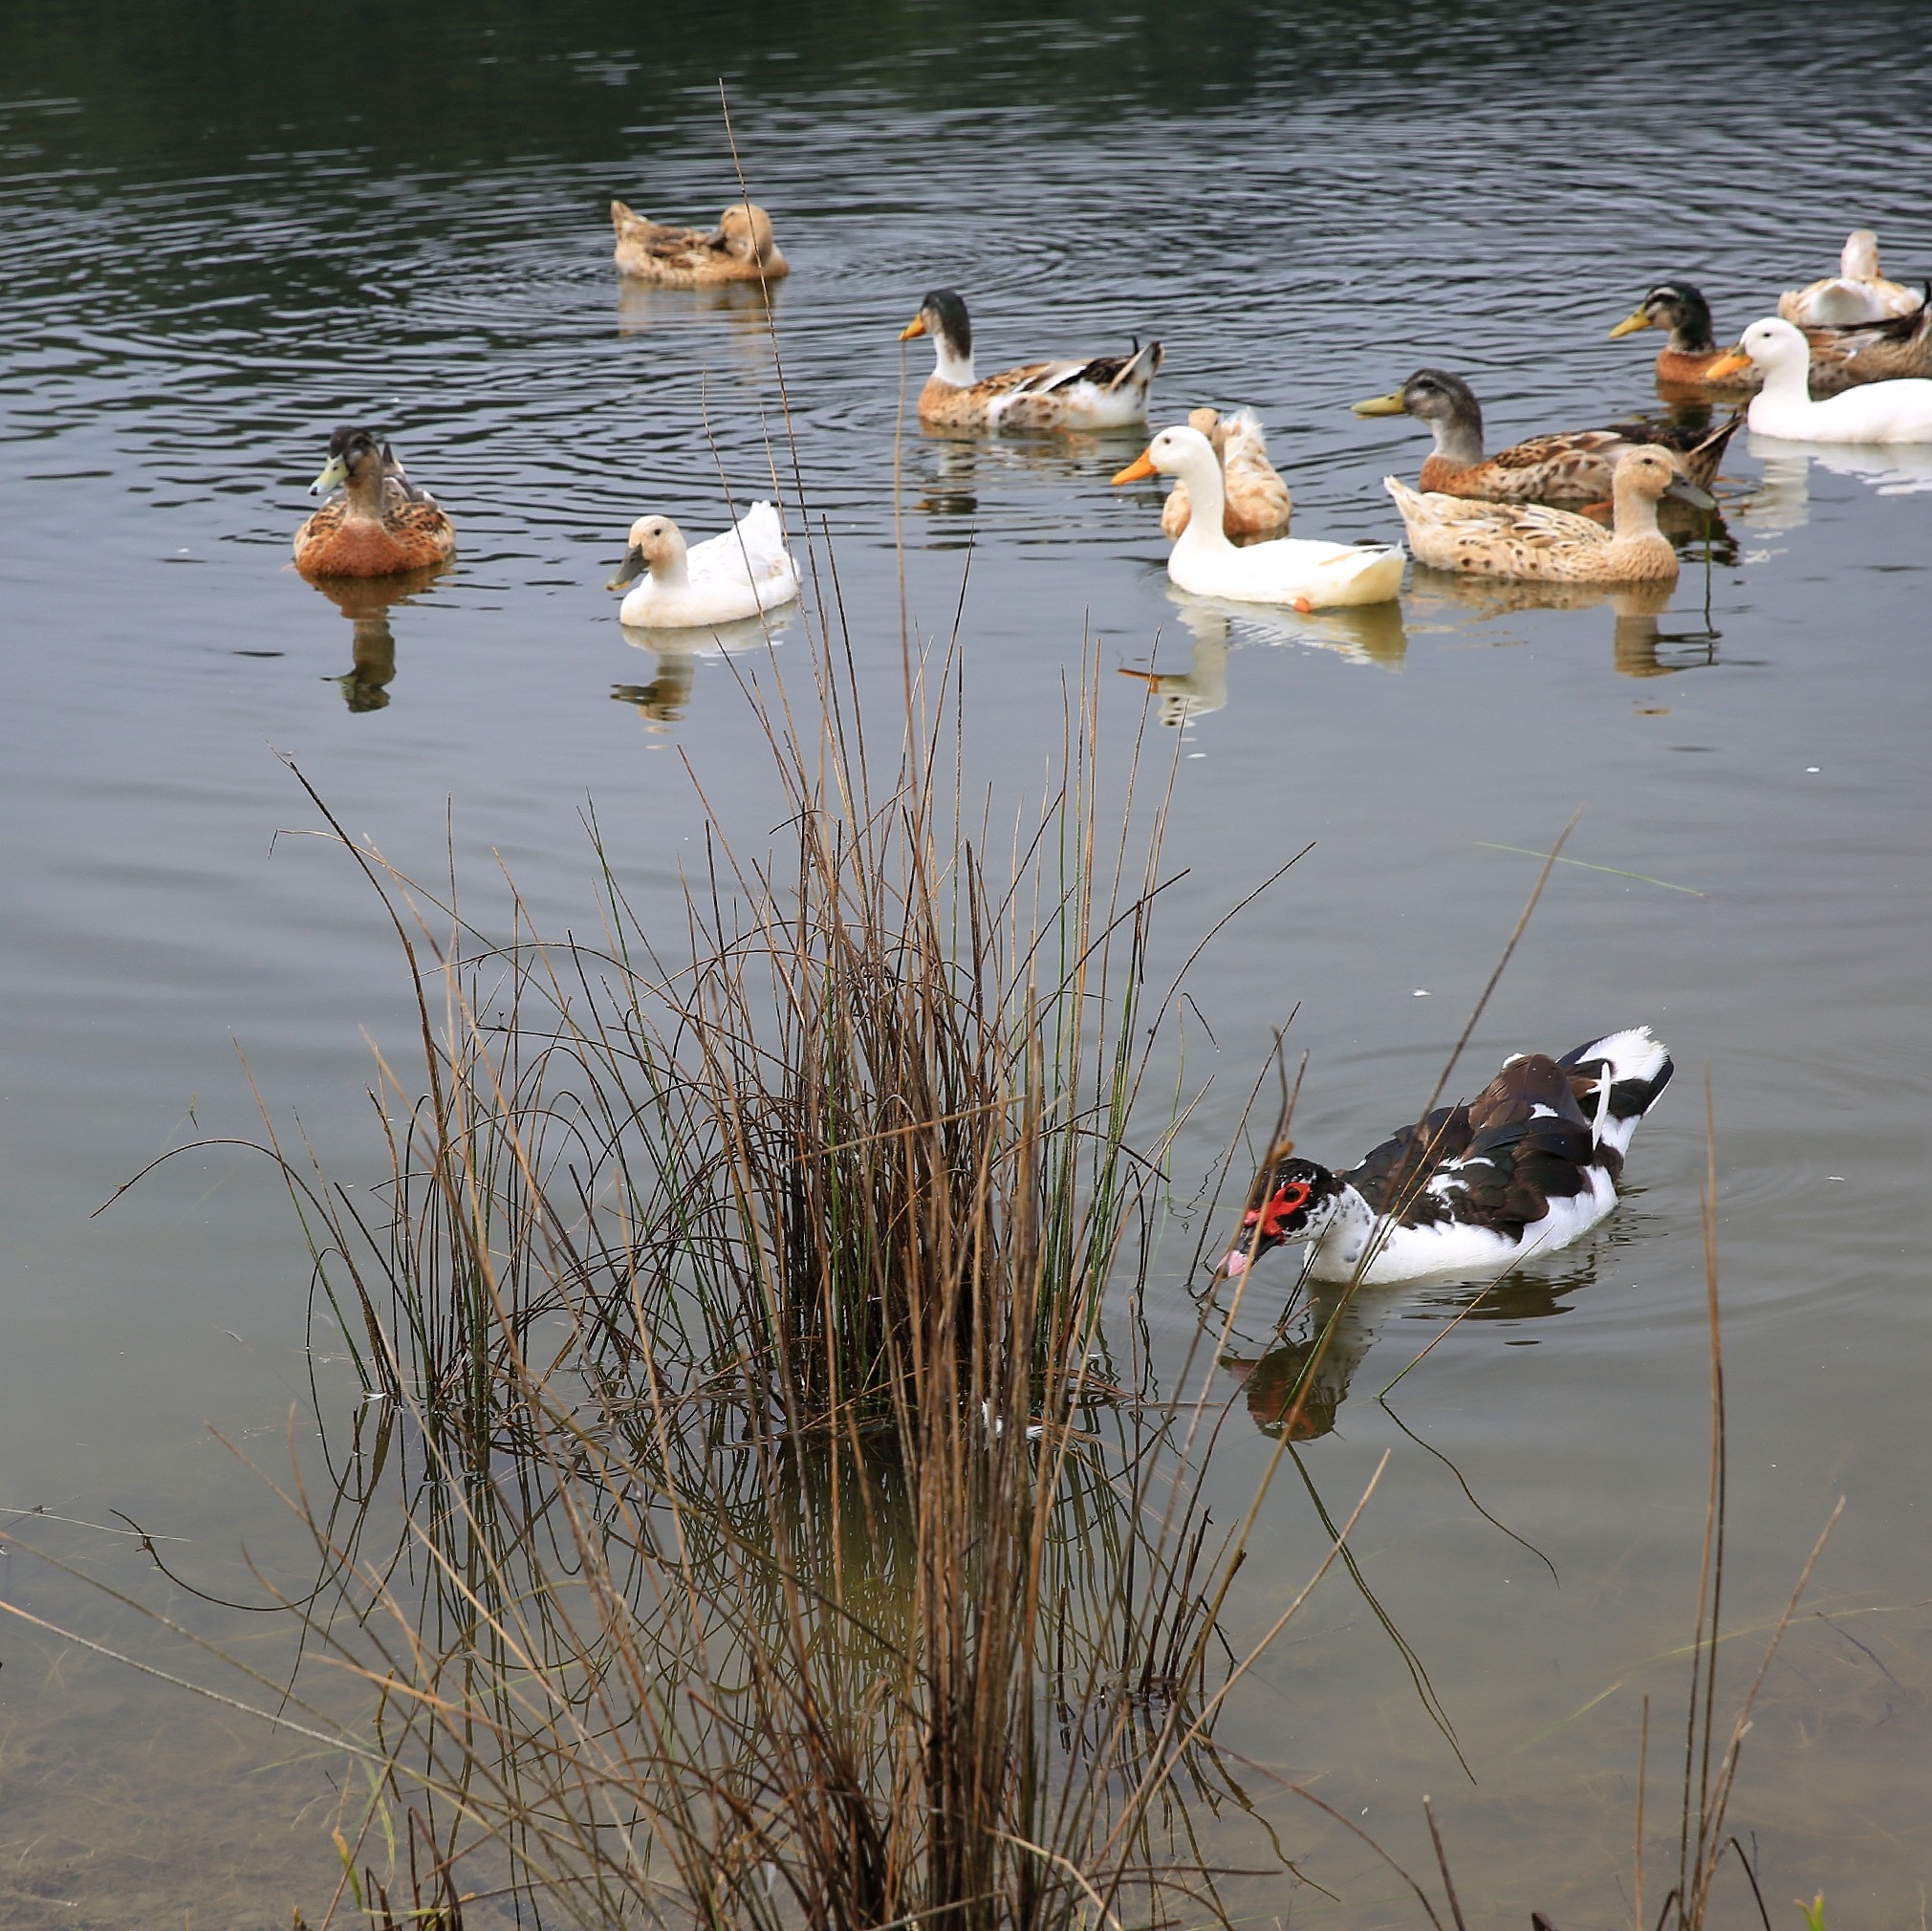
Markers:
<point>1236,1263</point>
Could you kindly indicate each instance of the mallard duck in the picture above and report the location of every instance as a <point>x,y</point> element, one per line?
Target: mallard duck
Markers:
<point>1109,391</point>
<point>1571,466</point>
<point>740,249</point>
<point>1310,575</point>
<point>1531,539</point>
<point>1857,294</point>
<point>1258,503</point>
<point>1525,1167</point>
<point>1876,412</point>
<point>720,580</point>
<point>380,524</point>
<point>1841,359</point>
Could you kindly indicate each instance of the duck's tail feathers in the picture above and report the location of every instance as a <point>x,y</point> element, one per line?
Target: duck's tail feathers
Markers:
<point>1622,1074</point>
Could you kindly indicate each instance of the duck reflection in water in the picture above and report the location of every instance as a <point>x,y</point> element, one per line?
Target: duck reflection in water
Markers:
<point>746,307</point>
<point>1639,646</point>
<point>1299,1386</point>
<point>366,601</point>
<point>664,700</point>
<point>1369,633</point>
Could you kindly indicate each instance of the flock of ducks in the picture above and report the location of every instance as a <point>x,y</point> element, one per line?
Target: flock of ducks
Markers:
<point>1848,359</point>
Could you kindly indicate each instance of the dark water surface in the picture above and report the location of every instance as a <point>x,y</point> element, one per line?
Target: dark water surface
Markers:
<point>225,230</point>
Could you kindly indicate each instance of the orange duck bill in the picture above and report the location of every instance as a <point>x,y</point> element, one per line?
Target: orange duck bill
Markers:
<point>1138,469</point>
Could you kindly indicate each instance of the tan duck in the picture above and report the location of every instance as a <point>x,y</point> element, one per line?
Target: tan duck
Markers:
<point>1530,540</point>
<point>1841,358</point>
<point>1857,294</point>
<point>740,249</point>
<point>1572,466</point>
<point>380,523</point>
<point>1258,504</point>
<point>1108,392</point>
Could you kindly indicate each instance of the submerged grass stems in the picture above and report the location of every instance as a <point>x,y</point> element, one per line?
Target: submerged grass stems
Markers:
<point>779,1553</point>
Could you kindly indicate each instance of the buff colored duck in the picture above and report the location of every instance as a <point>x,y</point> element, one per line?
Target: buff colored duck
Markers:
<point>721,580</point>
<point>1574,466</point>
<point>1878,412</point>
<point>1259,504</point>
<point>1531,540</point>
<point>1857,294</point>
<point>740,249</point>
<point>1310,575</point>
<point>1841,358</point>
<point>1109,391</point>
<point>380,525</point>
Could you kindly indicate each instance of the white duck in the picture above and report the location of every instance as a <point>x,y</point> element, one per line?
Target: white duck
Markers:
<point>1857,294</point>
<point>1289,569</point>
<point>1525,1167</point>
<point>720,580</point>
<point>1896,411</point>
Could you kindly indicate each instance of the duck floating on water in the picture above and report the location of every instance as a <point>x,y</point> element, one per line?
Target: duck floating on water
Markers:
<point>1258,504</point>
<point>723,579</point>
<point>1106,392</point>
<point>380,524</point>
<point>1841,358</point>
<point>1524,1168</point>
<point>1565,466</point>
<point>740,249</point>
<point>1309,576</point>
<point>1534,541</point>
<point>1897,411</point>
<point>1857,294</point>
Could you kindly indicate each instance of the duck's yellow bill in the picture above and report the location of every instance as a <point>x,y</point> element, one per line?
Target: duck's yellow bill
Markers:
<point>332,477</point>
<point>1727,364</point>
<point>1631,323</point>
<point>915,327</point>
<point>1390,405</point>
<point>1142,466</point>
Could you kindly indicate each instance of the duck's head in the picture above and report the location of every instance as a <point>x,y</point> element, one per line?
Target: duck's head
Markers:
<point>1291,1199</point>
<point>1772,343</point>
<point>657,544</point>
<point>1209,422</point>
<point>745,230</point>
<point>1676,306</point>
<point>1171,453</point>
<point>1432,394</point>
<point>352,451</point>
<point>1652,471</point>
<point>1859,258</point>
<point>942,315</point>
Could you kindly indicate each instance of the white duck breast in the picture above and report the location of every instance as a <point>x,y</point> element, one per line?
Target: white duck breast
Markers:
<point>721,580</point>
<point>1895,411</point>
<point>1524,1168</point>
<point>1289,569</point>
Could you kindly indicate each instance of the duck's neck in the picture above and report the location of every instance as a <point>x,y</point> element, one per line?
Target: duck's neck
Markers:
<point>1206,533</point>
<point>363,487</point>
<point>1634,514</point>
<point>1858,260</point>
<point>1788,381</point>
<point>1459,436</point>
<point>670,570</point>
<point>954,365</point>
<point>1346,1239</point>
<point>1690,333</point>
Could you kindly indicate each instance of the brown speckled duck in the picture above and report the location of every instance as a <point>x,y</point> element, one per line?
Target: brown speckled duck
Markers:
<point>1108,392</point>
<point>1574,466</point>
<point>740,249</point>
<point>380,524</point>
<point>1531,540</point>
<point>1258,504</point>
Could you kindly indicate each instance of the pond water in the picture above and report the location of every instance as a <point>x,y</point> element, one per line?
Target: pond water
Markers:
<point>226,232</point>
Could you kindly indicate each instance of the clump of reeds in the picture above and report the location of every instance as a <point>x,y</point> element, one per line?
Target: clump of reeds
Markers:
<point>781,1551</point>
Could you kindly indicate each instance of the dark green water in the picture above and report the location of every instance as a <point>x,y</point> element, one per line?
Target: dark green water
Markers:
<point>227,228</point>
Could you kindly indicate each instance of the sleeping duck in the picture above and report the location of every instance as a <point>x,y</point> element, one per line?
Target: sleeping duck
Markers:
<point>380,524</point>
<point>1533,540</point>
<point>1572,466</point>
<point>1107,392</point>
<point>1524,1168</point>
<point>1841,358</point>
<point>1258,504</point>
<point>1857,294</point>
<point>740,249</point>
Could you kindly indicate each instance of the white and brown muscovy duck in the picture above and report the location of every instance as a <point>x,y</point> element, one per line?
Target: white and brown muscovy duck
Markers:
<point>1524,1168</point>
